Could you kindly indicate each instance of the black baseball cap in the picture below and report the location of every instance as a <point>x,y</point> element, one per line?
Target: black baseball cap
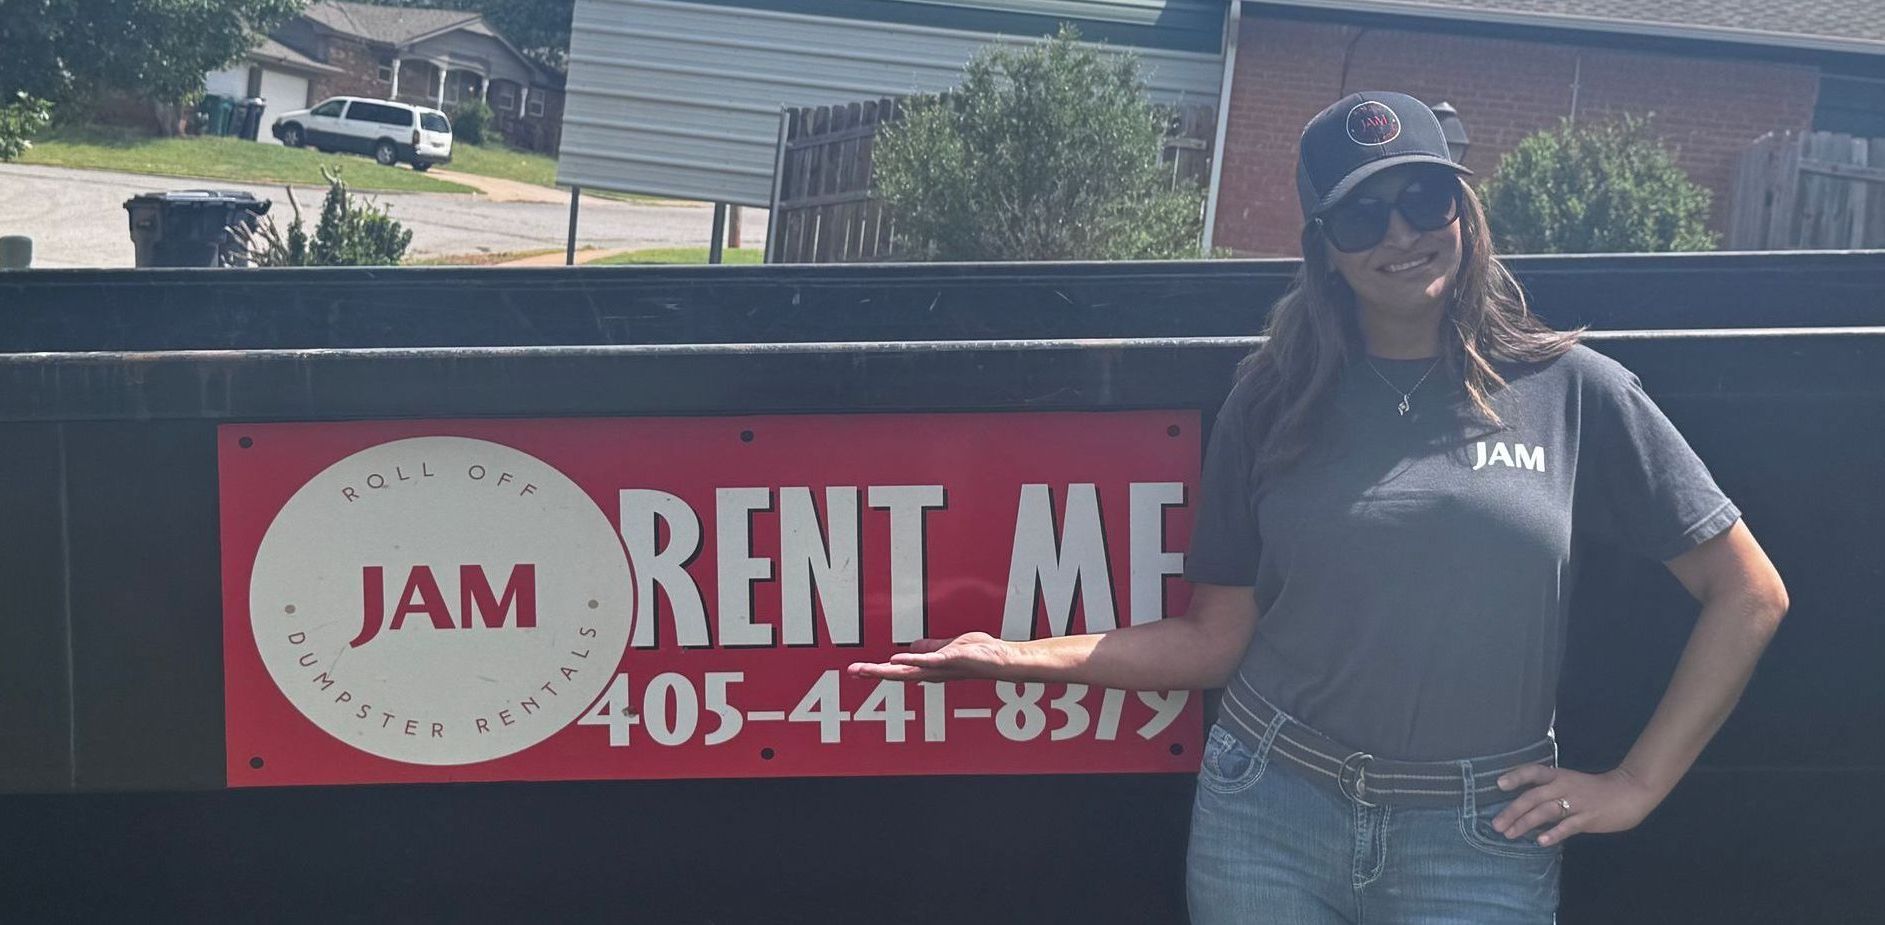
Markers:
<point>1361,135</point>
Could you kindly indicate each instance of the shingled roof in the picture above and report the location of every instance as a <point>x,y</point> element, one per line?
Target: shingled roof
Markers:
<point>392,25</point>
<point>1827,25</point>
<point>273,52</point>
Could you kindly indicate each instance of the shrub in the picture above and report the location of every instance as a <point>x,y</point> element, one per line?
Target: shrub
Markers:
<point>1608,187</point>
<point>21,119</point>
<point>471,120</point>
<point>352,232</point>
<point>1043,153</point>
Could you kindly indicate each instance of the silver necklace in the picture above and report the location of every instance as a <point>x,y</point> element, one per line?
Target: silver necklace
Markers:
<point>1407,396</point>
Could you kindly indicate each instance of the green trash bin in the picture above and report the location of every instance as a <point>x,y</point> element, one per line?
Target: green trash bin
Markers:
<point>218,113</point>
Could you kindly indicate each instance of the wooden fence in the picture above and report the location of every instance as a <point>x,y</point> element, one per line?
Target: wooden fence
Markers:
<point>1188,138</point>
<point>824,209</point>
<point>1810,190</point>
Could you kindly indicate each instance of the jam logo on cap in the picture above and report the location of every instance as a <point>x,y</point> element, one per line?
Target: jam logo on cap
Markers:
<point>1372,123</point>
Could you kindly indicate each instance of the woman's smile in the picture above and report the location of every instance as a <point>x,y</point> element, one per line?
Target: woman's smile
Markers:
<point>1406,265</point>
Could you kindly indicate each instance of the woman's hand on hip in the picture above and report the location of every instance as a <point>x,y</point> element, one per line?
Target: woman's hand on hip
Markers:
<point>1614,801</point>
<point>971,655</point>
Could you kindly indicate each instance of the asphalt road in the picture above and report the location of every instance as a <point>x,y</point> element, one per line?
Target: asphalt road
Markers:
<point>76,218</point>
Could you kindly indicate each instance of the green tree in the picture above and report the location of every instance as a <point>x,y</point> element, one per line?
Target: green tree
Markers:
<point>539,28</point>
<point>1049,152</point>
<point>1608,187</point>
<point>20,120</point>
<point>62,51</point>
<point>472,121</point>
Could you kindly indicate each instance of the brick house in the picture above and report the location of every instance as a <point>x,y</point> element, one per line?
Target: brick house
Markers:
<point>430,57</point>
<point>1716,76</point>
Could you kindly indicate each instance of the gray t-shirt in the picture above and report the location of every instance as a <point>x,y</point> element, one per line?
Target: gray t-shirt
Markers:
<point>1413,573</point>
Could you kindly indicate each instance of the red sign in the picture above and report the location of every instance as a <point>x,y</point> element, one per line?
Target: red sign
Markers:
<point>677,598</point>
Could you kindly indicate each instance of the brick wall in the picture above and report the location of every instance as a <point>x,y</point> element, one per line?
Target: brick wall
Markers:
<point>360,71</point>
<point>548,136</point>
<point>544,133</point>
<point>1708,109</point>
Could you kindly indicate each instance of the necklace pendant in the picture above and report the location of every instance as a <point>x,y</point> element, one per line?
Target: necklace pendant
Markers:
<point>1403,406</point>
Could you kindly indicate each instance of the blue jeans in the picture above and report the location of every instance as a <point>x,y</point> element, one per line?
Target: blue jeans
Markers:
<point>1271,845</point>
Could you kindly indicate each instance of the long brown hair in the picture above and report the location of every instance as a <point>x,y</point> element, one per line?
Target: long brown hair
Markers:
<point>1314,331</point>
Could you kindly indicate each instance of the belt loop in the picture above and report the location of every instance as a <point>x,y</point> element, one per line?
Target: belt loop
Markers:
<point>1270,730</point>
<point>1359,793</point>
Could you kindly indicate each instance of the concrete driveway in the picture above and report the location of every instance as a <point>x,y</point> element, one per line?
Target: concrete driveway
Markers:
<point>77,219</point>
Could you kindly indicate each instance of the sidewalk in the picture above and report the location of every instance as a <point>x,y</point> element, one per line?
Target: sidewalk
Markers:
<point>501,190</point>
<point>555,259</point>
<point>498,189</point>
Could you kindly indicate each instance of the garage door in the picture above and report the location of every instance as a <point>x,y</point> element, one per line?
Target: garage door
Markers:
<point>284,92</point>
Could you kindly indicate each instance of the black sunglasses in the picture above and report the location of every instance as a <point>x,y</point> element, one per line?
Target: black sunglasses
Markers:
<point>1429,203</point>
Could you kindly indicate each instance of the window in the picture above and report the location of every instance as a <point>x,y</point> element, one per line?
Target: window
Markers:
<point>536,104</point>
<point>362,111</point>
<point>255,81</point>
<point>506,97</point>
<point>329,108</point>
<point>386,71</point>
<point>434,122</point>
<point>1851,105</point>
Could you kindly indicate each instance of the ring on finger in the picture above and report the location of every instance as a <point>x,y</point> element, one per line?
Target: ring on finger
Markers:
<point>1564,807</point>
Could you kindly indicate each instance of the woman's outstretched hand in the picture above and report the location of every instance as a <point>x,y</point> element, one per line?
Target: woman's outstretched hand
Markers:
<point>971,655</point>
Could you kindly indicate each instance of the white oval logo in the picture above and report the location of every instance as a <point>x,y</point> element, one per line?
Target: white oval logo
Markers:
<point>1372,123</point>
<point>441,600</point>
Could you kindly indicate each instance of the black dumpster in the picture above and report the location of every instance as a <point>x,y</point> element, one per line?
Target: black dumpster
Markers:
<point>192,228</point>
<point>117,389</point>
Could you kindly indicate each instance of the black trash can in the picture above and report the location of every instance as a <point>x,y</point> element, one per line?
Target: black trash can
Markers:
<point>249,118</point>
<point>192,228</point>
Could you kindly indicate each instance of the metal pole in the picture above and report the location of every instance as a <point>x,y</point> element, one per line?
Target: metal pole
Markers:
<point>1233,24</point>
<point>719,232</point>
<point>575,201</point>
<point>778,178</point>
<point>733,226</point>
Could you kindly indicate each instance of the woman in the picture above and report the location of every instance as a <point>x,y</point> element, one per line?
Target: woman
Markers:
<point>1393,485</point>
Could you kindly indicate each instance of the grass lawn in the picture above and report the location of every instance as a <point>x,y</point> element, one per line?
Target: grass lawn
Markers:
<point>497,160</point>
<point>682,255</point>
<point>100,148</point>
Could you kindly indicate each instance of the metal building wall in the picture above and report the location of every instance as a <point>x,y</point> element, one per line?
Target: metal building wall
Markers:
<point>683,99</point>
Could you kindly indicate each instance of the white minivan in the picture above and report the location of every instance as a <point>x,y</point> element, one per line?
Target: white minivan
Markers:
<point>390,131</point>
